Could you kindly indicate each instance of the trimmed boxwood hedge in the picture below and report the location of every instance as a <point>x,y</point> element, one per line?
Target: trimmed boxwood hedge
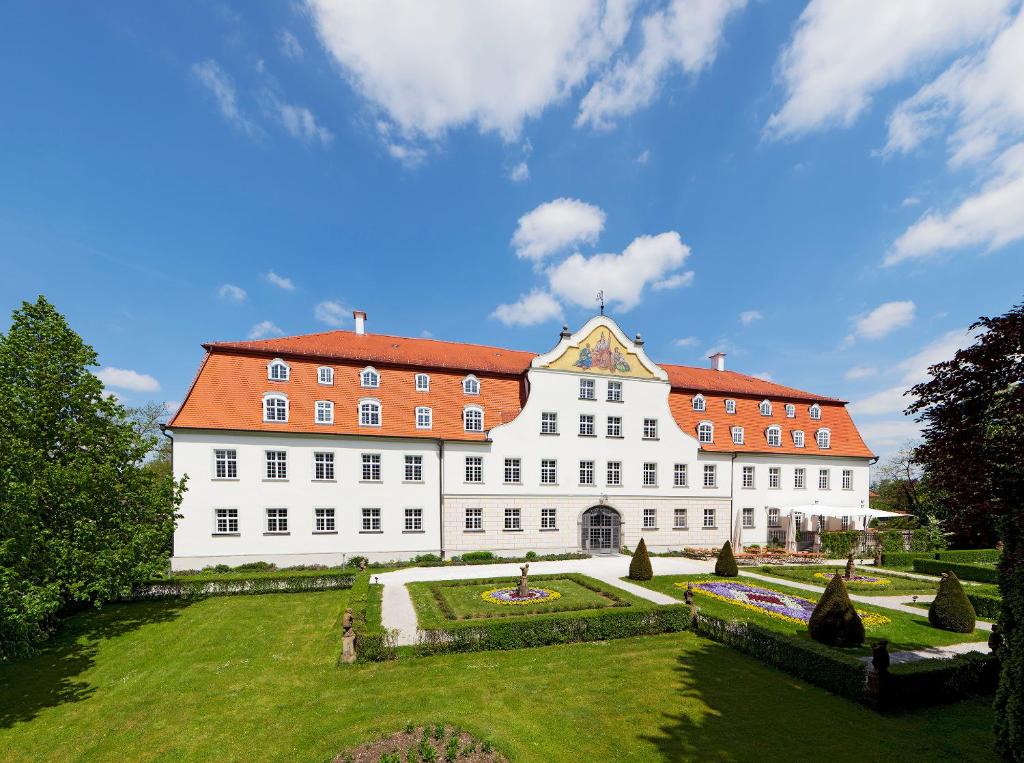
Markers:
<point>987,606</point>
<point>904,559</point>
<point>190,587</point>
<point>970,555</point>
<point>976,572</point>
<point>937,682</point>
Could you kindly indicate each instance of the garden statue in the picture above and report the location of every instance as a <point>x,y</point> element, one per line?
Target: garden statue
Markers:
<point>524,585</point>
<point>688,594</point>
<point>851,568</point>
<point>880,656</point>
<point>878,555</point>
<point>346,621</point>
<point>348,638</point>
<point>362,565</point>
<point>995,638</point>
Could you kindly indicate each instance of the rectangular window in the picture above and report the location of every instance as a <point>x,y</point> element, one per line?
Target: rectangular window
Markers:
<point>774,477</point>
<point>650,474</point>
<point>474,469</point>
<point>225,464</point>
<point>371,467</point>
<point>679,477</point>
<point>549,422</point>
<point>614,472</point>
<point>226,521</point>
<point>679,518</point>
<point>614,426</point>
<point>277,520</point>
<point>710,475</point>
<point>799,478</point>
<point>324,412</point>
<point>414,468</point>
<point>823,479</point>
<point>277,465</point>
<point>845,523</point>
<point>748,518</point>
<point>737,435</point>
<point>424,418</point>
<point>709,517</point>
<point>650,429</point>
<point>323,466</point>
<point>371,521</point>
<point>586,472</point>
<point>323,520</point>
<point>414,520</point>
<point>587,389</point>
<point>548,471</point>
<point>513,471</point>
<point>548,519</point>
<point>474,519</point>
<point>847,479</point>
<point>730,406</point>
<point>650,519</point>
<point>586,425</point>
<point>615,391</point>
<point>513,519</point>
<point>473,420</point>
<point>773,518</point>
<point>748,476</point>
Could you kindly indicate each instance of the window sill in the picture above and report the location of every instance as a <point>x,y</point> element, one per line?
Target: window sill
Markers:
<point>514,484</point>
<point>275,479</point>
<point>371,532</point>
<point>549,529</point>
<point>285,532</point>
<point>614,401</point>
<point>371,482</point>
<point>512,530</point>
<point>549,484</point>
<point>325,532</point>
<point>226,535</point>
<point>680,487</point>
<point>412,482</point>
<point>611,485</point>
<point>711,487</point>
<point>586,435</point>
<point>224,479</point>
<point>680,528</point>
<point>324,423</point>
<point>613,436</point>
<point>712,527</point>
<point>323,480</point>
<point>474,531</point>
<point>652,529</point>
<point>413,532</point>
<point>472,482</point>
<point>650,487</point>
<point>589,399</point>
<point>549,434</point>
<point>655,439</point>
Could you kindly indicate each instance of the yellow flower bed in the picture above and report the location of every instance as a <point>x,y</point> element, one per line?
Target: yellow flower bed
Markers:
<point>856,578</point>
<point>494,596</point>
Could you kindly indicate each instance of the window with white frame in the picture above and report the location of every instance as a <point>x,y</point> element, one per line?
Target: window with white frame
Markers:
<point>774,477</point>
<point>799,478</point>
<point>679,519</point>
<point>798,520</point>
<point>226,521</point>
<point>705,432</point>
<point>275,408</point>
<point>698,403</point>
<point>773,518</point>
<point>325,375</point>
<point>748,477</point>
<point>774,436</point>
<point>650,429</point>
<point>730,406</point>
<point>225,464</point>
<point>323,466</point>
<point>413,469</point>
<point>748,517</point>
<point>513,471</point>
<point>422,383</point>
<point>615,391</point>
<point>277,465</point>
<point>765,407</point>
<point>548,519</point>
<point>414,520</point>
<point>371,467</point>
<point>798,438</point>
<point>586,425</point>
<point>824,439</point>
<point>710,475</point>
<point>587,389</point>
<point>650,474</point>
<point>474,469</point>
<point>815,412</point>
<point>614,473</point>
<point>709,517</point>
<point>369,377</point>
<point>824,480</point>
<point>424,417</point>
<point>650,519</point>
<point>845,523</point>
<point>790,411</point>
<point>371,521</point>
<point>549,422</point>
<point>278,370</point>
<point>473,419</point>
<point>369,413</point>
<point>324,412</point>
<point>737,435</point>
<point>513,519</point>
<point>277,520</point>
<point>323,520</point>
<point>847,479</point>
<point>679,475</point>
<point>474,519</point>
<point>471,385</point>
<point>548,471</point>
<point>586,472</point>
<point>614,426</point>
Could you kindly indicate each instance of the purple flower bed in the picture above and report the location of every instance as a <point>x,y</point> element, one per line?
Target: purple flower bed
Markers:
<point>794,609</point>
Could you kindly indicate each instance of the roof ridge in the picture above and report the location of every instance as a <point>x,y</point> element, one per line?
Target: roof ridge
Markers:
<point>384,336</point>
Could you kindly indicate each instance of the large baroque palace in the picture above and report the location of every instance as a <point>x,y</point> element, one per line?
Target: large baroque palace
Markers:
<point>308,449</point>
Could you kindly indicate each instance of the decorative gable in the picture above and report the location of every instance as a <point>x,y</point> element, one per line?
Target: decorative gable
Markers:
<point>600,347</point>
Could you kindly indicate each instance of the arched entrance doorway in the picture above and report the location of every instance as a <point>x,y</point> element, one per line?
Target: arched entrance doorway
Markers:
<point>600,530</point>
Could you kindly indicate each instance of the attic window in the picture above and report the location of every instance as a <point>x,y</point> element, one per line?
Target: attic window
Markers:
<point>369,377</point>
<point>790,411</point>
<point>471,385</point>
<point>730,406</point>
<point>698,402</point>
<point>766,408</point>
<point>815,412</point>
<point>278,370</point>
<point>325,375</point>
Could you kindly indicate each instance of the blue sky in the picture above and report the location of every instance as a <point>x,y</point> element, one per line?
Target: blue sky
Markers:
<point>830,192</point>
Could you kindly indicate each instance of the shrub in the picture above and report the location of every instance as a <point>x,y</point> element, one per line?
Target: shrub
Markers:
<point>986,606</point>
<point>970,555</point>
<point>951,610</point>
<point>210,585</point>
<point>421,558</point>
<point>920,539</point>
<point>904,560</point>
<point>979,573</point>
<point>838,545</point>
<point>477,556</point>
<point>725,565</point>
<point>835,621</point>
<point>933,682</point>
<point>640,563</point>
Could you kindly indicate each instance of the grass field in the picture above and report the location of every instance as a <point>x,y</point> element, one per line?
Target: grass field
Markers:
<point>895,584</point>
<point>254,678</point>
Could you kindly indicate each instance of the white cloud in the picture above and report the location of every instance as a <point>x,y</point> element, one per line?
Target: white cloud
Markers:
<point>883,320</point>
<point>622,277</point>
<point>172,406</point>
<point>915,368</point>
<point>279,281</point>
<point>332,313</point>
<point>557,225</point>
<point>844,51</point>
<point>686,341</point>
<point>290,45</point>
<point>301,124</point>
<point>910,201</point>
<point>674,281</point>
<point>889,432</point>
<point>764,375</point>
<point>686,36</point>
<point>124,378</point>
<point>219,83</point>
<point>888,400</point>
<point>431,67</point>
<point>520,173</point>
<point>232,293</point>
<point>643,158</point>
<point>533,308</point>
<point>860,372</point>
<point>264,329</point>
<point>750,316</point>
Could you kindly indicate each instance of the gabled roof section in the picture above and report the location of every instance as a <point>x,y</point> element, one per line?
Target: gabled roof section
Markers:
<point>600,347</point>
<point>706,380</point>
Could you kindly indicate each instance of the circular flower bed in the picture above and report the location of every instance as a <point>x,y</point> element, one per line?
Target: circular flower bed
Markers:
<point>511,595</point>
<point>782,606</point>
<point>854,579</point>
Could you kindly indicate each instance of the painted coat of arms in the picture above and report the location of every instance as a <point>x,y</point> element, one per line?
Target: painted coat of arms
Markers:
<point>602,356</point>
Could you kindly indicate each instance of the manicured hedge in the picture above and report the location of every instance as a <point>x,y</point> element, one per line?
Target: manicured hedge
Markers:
<point>904,559</point>
<point>987,606</point>
<point>976,572</point>
<point>936,682</point>
<point>192,587</point>
<point>970,555</point>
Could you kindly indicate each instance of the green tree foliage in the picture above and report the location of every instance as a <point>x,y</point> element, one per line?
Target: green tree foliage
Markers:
<point>640,564</point>
<point>951,610</point>
<point>725,565</point>
<point>148,419</point>
<point>84,520</point>
<point>835,621</point>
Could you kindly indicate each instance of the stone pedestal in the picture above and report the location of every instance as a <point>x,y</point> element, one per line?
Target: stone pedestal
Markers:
<point>524,583</point>
<point>348,647</point>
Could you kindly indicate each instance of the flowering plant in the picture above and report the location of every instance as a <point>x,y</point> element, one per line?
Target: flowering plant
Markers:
<point>510,596</point>
<point>854,579</point>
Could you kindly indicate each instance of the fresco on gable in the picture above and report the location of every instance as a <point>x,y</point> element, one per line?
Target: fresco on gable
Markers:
<point>601,352</point>
<point>603,356</point>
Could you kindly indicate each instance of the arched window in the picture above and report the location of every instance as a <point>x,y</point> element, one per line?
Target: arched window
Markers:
<point>325,375</point>
<point>815,411</point>
<point>369,377</point>
<point>278,370</point>
<point>473,419</point>
<point>275,407</point>
<point>730,406</point>
<point>790,411</point>
<point>422,383</point>
<point>705,432</point>
<point>798,438</point>
<point>737,435</point>
<point>774,435</point>
<point>766,408</point>
<point>698,402</point>
<point>324,412</point>
<point>424,418</point>
<point>471,385</point>
<point>824,438</point>
<point>369,413</point>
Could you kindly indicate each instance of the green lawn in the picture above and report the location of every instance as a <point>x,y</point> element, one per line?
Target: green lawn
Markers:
<point>254,678</point>
<point>904,632</point>
<point>895,584</point>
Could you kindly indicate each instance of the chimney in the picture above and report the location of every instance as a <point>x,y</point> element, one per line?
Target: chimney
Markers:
<point>360,317</point>
<point>718,361</point>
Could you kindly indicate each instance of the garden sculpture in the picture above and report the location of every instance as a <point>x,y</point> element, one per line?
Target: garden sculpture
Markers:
<point>348,638</point>
<point>524,585</point>
<point>880,656</point>
<point>878,556</point>
<point>851,568</point>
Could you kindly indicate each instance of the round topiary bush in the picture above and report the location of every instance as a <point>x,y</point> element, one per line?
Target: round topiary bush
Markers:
<point>834,621</point>
<point>640,564</point>
<point>725,565</point>
<point>951,610</point>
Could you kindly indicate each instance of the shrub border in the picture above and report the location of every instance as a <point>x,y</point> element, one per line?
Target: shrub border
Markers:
<point>976,572</point>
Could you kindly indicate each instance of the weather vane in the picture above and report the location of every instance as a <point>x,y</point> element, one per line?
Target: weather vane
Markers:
<point>600,299</point>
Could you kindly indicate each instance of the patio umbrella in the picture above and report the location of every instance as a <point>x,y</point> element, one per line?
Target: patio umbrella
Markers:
<point>737,532</point>
<point>791,532</point>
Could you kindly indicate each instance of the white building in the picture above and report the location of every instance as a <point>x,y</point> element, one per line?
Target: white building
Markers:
<point>308,449</point>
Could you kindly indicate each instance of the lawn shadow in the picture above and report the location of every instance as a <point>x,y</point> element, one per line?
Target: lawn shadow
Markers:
<point>50,677</point>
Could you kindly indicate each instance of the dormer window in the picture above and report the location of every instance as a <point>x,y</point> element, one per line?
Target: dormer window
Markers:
<point>766,407</point>
<point>324,412</point>
<point>774,436</point>
<point>278,370</point>
<point>737,435</point>
<point>325,375</point>
<point>815,412</point>
<point>730,406</point>
<point>369,413</point>
<point>798,438</point>
<point>424,417</point>
<point>790,411</point>
<point>824,439</point>
<point>275,408</point>
<point>422,383</point>
<point>471,385</point>
<point>369,378</point>
<point>473,419</point>
<point>705,432</point>
<point>698,403</point>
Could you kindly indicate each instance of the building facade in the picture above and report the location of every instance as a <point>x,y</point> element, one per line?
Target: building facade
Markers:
<point>311,449</point>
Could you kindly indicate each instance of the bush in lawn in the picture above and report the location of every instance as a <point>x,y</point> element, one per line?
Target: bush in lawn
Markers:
<point>725,565</point>
<point>834,621</point>
<point>951,610</point>
<point>640,564</point>
<point>477,556</point>
<point>970,555</point>
<point>980,573</point>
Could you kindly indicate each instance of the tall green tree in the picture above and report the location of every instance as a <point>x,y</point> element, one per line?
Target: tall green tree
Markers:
<point>84,520</point>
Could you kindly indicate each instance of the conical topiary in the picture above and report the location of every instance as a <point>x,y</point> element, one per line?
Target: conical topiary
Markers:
<point>725,566</point>
<point>640,564</point>
<point>834,621</point>
<point>951,610</point>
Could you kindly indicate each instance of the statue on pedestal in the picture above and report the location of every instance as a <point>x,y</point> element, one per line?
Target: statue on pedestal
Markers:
<point>524,585</point>
<point>851,568</point>
<point>348,637</point>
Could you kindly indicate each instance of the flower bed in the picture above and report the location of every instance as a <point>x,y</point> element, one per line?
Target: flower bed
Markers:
<point>855,579</point>
<point>510,596</point>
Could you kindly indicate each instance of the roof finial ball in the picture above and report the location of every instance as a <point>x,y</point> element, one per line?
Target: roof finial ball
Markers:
<point>565,331</point>
<point>638,340</point>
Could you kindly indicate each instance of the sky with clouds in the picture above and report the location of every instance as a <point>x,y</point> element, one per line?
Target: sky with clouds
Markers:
<point>830,193</point>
